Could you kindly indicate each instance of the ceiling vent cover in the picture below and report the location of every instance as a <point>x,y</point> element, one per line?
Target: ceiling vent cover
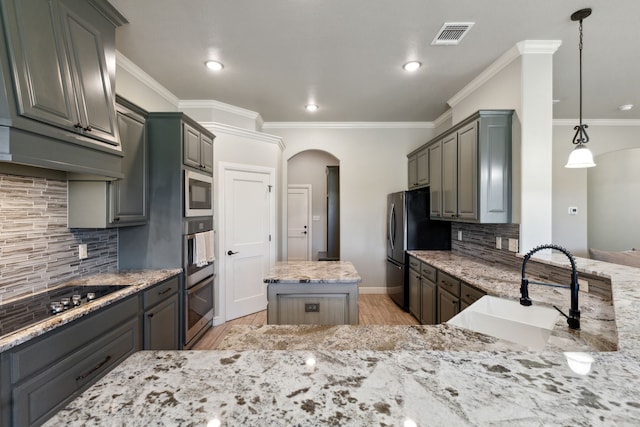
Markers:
<point>451,33</point>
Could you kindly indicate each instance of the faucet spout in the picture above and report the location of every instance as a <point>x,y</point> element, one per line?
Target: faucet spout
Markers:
<point>573,319</point>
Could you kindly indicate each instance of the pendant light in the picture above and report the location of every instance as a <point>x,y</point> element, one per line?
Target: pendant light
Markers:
<point>581,156</point>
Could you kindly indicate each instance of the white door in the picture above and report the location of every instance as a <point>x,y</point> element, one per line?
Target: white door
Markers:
<point>246,246</point>
<point>299,223</point>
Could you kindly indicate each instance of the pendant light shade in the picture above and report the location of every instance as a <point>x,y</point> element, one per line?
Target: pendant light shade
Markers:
<point>581,156</point>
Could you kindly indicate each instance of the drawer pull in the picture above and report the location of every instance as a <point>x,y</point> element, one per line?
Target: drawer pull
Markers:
<point>95,368</point>
<point>164,292</point>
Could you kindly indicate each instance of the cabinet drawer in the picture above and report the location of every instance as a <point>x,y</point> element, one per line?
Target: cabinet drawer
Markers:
<point>451,284</point>
<point>414,263</point>
<point>428,272</point>
<point>32,357</point>
<point>37,398</point>
<point>469,294</point>
<point>160,292</point>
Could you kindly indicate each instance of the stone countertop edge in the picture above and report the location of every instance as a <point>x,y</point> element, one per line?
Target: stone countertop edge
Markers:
<point>137,280</point>
<point>313,272</point>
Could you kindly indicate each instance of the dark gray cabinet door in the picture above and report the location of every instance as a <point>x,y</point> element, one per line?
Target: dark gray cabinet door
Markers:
<point>428,299</point>
<point>191,141</point>
<point>448,305</point>
<point>412,169</point>
<point>468,172</point>
<point>414,293</point>
<point>435,179</point>
<point>206,153</point>
<point>92,83</point>
<point>450,176</point>
<point>161,330</point>
<point>44,90</point>
<point>422,167</point>
<point>129,195</point>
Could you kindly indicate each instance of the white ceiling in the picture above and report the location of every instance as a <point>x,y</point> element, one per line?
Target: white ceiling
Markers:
<point>346,55</point>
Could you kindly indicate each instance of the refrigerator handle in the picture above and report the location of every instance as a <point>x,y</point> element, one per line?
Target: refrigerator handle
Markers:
<point>392,225</point>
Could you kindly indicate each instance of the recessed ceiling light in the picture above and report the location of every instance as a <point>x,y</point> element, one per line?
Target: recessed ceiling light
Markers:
<point>311,107</point>
<point>625,107</point>
<point>412,66</point>
<point>214,65</point>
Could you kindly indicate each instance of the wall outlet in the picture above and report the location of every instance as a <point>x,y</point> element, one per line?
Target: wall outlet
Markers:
<point>82,251</point>
<point>460,235</point>
<point>513,245</point>
<point>498,242</point>
<point>583,285</point>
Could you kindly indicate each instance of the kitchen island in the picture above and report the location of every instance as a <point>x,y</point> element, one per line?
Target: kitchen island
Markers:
<point>312,292</point>
<point>361,387</point>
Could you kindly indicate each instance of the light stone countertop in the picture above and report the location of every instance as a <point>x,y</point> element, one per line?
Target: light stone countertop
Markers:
<point>136,281</point>
<point>368,387</point>
<point>313,272</point>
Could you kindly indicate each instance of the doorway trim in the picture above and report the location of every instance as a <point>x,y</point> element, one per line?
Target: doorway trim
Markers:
<point>309,216</point>
<point>220,294</point>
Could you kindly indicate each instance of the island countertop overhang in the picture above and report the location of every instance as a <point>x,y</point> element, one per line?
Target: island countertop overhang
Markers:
<point>313,272</point>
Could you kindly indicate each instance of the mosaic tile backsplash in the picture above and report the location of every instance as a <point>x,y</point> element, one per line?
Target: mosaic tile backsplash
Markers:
<point>37,250</point>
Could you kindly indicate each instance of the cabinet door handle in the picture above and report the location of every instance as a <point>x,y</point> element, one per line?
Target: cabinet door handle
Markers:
<point>87,129</point>
<point>150,315</point>
<point>164,292</point>
<point>78,125</point>
<point>92,370</point>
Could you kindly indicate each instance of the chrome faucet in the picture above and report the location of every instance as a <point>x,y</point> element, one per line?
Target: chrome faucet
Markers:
<point>573,319</point>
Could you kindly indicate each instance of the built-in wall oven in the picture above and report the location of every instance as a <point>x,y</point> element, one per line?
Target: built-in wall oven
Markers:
<point>199,278</point>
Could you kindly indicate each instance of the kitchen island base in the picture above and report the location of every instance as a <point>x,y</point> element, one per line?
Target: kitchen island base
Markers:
<point>309,304</point>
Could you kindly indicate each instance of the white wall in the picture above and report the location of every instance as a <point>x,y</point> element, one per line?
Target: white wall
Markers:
<point>373,163</point>
<point>570,186</point>
<point>309,167</point>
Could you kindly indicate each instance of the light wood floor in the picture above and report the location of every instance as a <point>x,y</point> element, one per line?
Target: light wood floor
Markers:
<point>373,309</point>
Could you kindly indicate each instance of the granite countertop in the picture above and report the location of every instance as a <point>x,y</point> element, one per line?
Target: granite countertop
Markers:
<point>313,272</point>
<point>136,281</point>
<point>328,385</point>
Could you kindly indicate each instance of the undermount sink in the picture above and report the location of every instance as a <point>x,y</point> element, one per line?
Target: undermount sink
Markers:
<point>508,320</point>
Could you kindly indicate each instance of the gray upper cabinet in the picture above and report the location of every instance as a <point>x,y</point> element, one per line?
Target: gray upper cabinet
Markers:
<point>418,167</point>
<point>435,179</point>
<point>198,148</point>
<point>473,160</point>
<point>59,85</point>
<point>123,202</point>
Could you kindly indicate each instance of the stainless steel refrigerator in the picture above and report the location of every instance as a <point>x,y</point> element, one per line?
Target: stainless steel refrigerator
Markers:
<point>409,227</point>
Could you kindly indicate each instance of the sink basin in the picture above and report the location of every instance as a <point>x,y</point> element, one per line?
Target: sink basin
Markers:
<point>508,320</point>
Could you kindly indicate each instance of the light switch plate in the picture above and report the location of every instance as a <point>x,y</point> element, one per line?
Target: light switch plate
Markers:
<point>583,285</point>
<point>498,242</point>
<point>460,235</point>
<point>513,245</point>
<point>82,251</point>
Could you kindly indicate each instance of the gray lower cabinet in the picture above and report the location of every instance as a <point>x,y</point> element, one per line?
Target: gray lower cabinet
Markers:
<point>161,305</point>
<point>429,295</point>
<point>312,304</point>
<point>414,293</point>
<point>123,202</point>
<point>448,296</point>
<point>58,72</point>
<point>46,373</point>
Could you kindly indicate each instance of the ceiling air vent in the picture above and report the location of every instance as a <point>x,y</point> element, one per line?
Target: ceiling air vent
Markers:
<point>451,33</point>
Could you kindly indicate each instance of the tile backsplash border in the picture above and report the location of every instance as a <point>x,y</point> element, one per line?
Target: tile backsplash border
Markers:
<point>37,250</point>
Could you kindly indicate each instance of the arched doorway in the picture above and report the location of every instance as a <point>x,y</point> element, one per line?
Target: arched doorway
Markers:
<point>316,170</point>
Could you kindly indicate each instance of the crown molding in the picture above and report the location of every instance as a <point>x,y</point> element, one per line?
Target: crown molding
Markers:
<point>598,122</point>
<point>524,47</point>
<point>146,79</point>
<point>444,117</point>
<point>197,103</point>
<point>348,125</point>
<point>216,127</point>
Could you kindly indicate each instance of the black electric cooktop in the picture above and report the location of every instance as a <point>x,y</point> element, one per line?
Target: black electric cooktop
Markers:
<point>26,311</point>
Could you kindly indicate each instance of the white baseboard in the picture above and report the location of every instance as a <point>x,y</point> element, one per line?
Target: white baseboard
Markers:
<point>372,290</point>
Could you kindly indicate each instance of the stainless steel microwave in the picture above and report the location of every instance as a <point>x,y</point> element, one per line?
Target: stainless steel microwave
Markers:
<point>197,194</point>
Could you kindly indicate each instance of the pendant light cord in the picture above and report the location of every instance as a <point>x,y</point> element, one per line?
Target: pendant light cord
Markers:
<point>581,137</point>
